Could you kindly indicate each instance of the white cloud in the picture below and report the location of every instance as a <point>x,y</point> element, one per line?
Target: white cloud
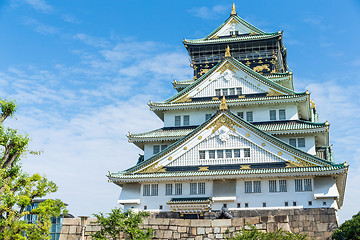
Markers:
<point>92,41</point>
<point>213,12</point>
<point>39,5</point>
<point>40,27</point>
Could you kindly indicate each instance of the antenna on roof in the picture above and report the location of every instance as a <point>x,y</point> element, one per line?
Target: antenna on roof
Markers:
<point>233,10</point>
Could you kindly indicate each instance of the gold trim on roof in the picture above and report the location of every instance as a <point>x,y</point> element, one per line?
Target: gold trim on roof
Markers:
<point>233,10</point>
<point>273,93</point>
<point>227,52</point>
<point>223,121</point>
<point>223,105</point>
<point>227,66</point>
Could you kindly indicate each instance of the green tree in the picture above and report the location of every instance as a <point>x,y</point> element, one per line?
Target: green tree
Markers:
<point>118,221</point>
<point>255,234</point>
<point>18,189</point>
<point>349,229</point>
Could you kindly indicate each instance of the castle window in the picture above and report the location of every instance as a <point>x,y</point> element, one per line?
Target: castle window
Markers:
<point>294,204</point>
<point>286,204</point>
<point>220,153</point>
<point>310,203</point>
<point>212,154</point>
<point>178,188</point>
<point>324,204</point>
<point>236,153</point>
<point>168,189</point>
<point>303,185</point>
<point>145,207</point>
<point>241,115</point>
<point>282,186</point>
<point>297,142</point>
<point>156,149</point>
<point>264,204</point>
<point>247,152</point>
<point>301,142</point>
<point>225,205</point>
<point>218,92</point>
<point>177,120</point>
<point>225,91</point>
<point>208,116</point>
<point>282,114</point>
<point>202,154</point>
<point>249,116</point>
<point>186,120</point>
<point>161,207</point>
<point>197,188</point>
<point>232,91</point>
<point>150,189</point>
<point>163,147</point>
<point>228,153</point>
<point>154,189</point>
<point>252,186</point>
<point>275,186</point>
<point>272,185</point>
<point>246,205</point>
<point>239,91</point>
<point>238,205</point>
<point>292,142</point>
<point>272,115</point>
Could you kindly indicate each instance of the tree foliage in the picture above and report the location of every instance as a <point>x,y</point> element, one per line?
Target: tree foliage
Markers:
<point>350,229</point>
<point>118,221</point>
<point>255,234</point>
<point>18,189</point>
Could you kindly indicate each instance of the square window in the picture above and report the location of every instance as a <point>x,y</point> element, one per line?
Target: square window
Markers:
<point>202,154</point>
<point>239,91</point>
<point>178,188</point>
<point>257,187</point>
<point>168,189</point>
<point>249,116</point>
<point>240,115</point>
<point>247,152</point>
<point>225,205</point>
<point>310,203</point>
<point>282,186</point>
<point>324,203</point>
<point>177,121</point>
<point>156,149</point>
<point>292,142</point>
<point>301,142</point>
<point>146,190</point>
<point>282,114</point>
<point>232,91</point>
<point>186,120</point>
<point>212,154</point>
<point>193,188</point>
<point>220,153</point>
<point>228,153</point>
<point>307,185</point>
<point>225,92</point>
<point>163,147</point>
<point>286,204</point>
<point>248,186</point>
<point>294,204</point>
<point>272,115</point>
<point>264,204</point>
<point>161,207</point>
<point>298,185</point>
<point>145,207</point>
<point>208,116</point>
<point>154,189</point>
<point>236,153</point>
<point>238,205</point>
<point>272,185</point>
<point>246,205</point>
<point>217,92</point>
<point>201,188</point>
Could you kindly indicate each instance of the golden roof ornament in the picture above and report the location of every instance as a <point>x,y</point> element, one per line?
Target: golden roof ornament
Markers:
<point>233,11</point>
<point>227,52</point>
<point>223,105</point>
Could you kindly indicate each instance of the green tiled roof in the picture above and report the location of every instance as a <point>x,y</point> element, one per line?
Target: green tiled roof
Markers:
<point>264,126</point>
<point>246,124</point>
<point>231,39</point>
<point>190,200</point>
<point>123,175</point>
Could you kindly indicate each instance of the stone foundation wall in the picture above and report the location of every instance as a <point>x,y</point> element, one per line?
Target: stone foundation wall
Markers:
<point>317,223</point>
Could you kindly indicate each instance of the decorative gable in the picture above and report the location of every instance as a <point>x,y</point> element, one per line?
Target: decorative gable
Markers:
<point>250,148</point>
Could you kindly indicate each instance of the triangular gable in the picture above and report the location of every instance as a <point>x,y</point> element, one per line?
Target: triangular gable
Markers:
<point>279,150</point>
<point>234,23</point>
<point>228,74</point>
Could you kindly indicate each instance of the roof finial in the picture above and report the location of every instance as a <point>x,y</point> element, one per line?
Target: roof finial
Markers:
<point>223,105</point>
<point>233,11</point>
<point>227,52</point>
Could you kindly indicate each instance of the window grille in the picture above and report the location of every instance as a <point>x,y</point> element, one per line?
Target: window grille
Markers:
<point>177,120</point>
<point>241,115</point>
<point>301,142</point>
<point>247,152</point>
<point>282,186</point>
<point>236,153</point>
<point>186,120</point>
<point>168,189</point>
<point>202,154</point>
<point>272,115</point>
<point>228,153</point>
<point>232,91</point>
<point>146,190</point>
<point>178,188</point>
<point>249,116</point>
<point>163,147</point>
<point>298,185</point>
<point>257,186</point>
<point>208,116</point>
<point>156,149</point>
<point>307,185</point>
<point>248,186</point>
<point>272,185</point>
<point>225,91</point>
<point>239,91</point>
<point>201,188</point>
<point>154,189</point>
<point>282,114</point>
<point>193,188</point>
<point>217,92</point>
<point>292,142</point>
<point>212,154</point>
<point>220,153</point>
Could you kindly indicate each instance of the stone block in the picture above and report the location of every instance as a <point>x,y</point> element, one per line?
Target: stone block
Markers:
<point>236,222</point>
<point>216,230</point>
<point>281,218</point>
<point>200,230</point>
<point>221,223</point>
<point>164,227</point>
<point>167,234</point>
<point>182,229</point>
<point>284,226</point>
<point>218,236</point>
<point>223,230</point>
<point>158,234</point>
<point>252,220</point>
<point>193,231</point>
<point>174,228</point>
<point>200,223</point>
<point>264,219</point>
<point>199,238</point>
<point>322,227</point>
<point>71,221</point>
<point>260,226</point>
<point>159,221</point>
<point>180,222</point>
<point>208,230</point>
<point>176,235</point>
<point>72,229</point>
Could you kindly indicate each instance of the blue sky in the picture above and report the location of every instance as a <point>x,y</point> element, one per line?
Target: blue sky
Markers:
<point>82,73</point>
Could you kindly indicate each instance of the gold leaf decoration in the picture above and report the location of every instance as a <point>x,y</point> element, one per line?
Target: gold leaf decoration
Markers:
<point>303,163</point>
<point>227,66</point>
<point>203,169</point>
<point>223,121</point>
<point>245,167</point>
<point>273,93</point>
<point>185,98</point>
<point>261,68</point>
<point>153,169</point>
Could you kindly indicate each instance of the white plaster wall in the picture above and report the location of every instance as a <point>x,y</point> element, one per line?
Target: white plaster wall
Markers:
<point>309,142</point>
<point>148,148</point>
<point>255,200</point>
<point>260,113</point>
